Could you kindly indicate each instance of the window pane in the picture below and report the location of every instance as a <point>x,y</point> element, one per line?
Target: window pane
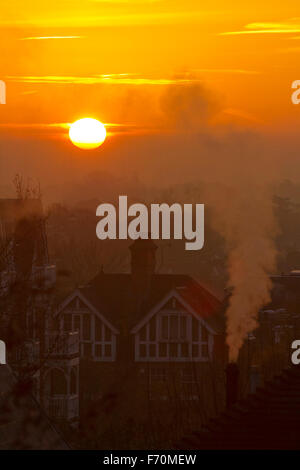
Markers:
<point>77,323</point>
<point>98,350</point>
<point>152,332</point>
<point>162,349</point>
<point>183,327</point>
<point>204,350</point>
<point>68,322</point>
<point>107,334</point>
<point>152,350</point>
<point>174,327</point>
<point>173,349</point>
<point>195,332</point>
<point>164,327</point>
<point>86,327</point>
<point>184,349</point>
<point>204,333</point>
<point>98,329</point>
<point>107,350</point>
<point>142,350</point>
<point>195,350</point>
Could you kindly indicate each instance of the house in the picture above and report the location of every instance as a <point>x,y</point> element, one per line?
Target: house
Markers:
<point>268,348</point>
<point>149,333</point>
<point>23,243</point>
<point>27,281</point>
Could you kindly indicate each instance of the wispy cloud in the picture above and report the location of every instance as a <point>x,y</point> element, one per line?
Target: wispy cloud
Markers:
<point>265,28</point>
<point>60,129</point>
<point>193,76</point>
<point>269,25</point>
<point>262,31</point>
<point>41,38</point>
<point>119,79</point>
<point>16,125</point>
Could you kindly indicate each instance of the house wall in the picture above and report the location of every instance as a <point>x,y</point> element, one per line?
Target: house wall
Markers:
<point>170,357</point>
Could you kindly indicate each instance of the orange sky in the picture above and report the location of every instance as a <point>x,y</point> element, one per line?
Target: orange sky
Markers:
<point>118,61</point>
<point>63,59</point>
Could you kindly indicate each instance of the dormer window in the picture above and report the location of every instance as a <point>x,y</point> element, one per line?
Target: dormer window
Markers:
<point>173,334</point>
<point>97,340</point>
<point>173,327</point>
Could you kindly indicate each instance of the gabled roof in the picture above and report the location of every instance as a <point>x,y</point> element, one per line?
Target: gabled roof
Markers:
<point>115,296</point>
<point>78,293</point>
<point>268,419</point>
<point>23,425</point>
<point>175,294</point>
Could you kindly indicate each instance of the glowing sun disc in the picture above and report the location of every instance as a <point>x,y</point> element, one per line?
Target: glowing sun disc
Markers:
<point>87,133</point>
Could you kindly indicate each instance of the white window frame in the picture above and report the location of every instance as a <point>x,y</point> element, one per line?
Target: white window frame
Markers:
<point>103,343</point>
<point>158,339</point>
<point>78,310</point>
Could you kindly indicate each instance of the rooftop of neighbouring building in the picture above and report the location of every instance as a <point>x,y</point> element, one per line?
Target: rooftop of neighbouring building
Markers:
<point>267,419</point>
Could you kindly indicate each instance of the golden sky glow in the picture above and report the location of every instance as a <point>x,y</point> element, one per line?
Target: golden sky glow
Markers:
<point>114,59</point>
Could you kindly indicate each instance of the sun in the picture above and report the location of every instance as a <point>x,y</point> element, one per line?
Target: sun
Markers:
<point>87,133</point>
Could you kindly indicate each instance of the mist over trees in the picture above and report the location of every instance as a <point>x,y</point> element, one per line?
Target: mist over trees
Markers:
<point>79,255</point>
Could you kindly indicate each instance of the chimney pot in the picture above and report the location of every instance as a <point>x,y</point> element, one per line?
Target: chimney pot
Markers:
<point>143,257</point>
<point>142,267</point>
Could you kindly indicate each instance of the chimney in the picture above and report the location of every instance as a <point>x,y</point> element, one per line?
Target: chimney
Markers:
<point>232,384</point>
<point>254,378</point>
<point>142,263</point>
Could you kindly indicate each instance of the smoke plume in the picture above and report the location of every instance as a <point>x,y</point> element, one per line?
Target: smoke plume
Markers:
<point>238,190</point>
<point>244,216</point>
